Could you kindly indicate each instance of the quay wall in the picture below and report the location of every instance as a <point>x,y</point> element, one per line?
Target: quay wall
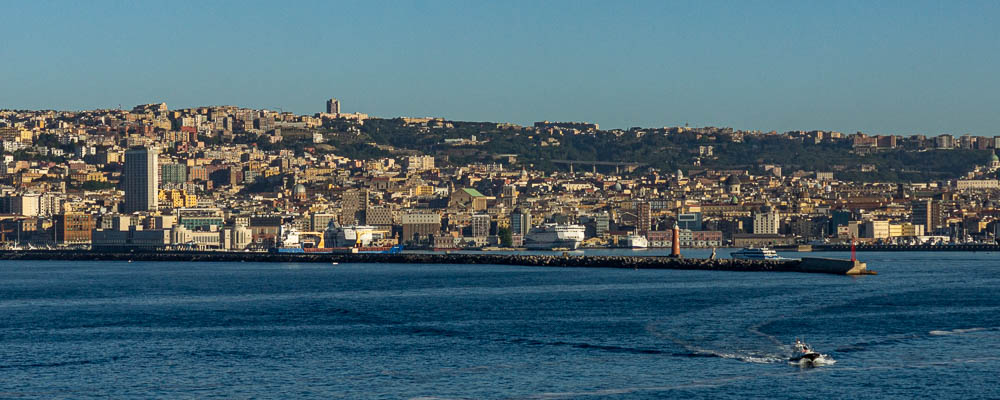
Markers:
<point>632,262</point>
<point>833,266</point>
<point>903,247</point>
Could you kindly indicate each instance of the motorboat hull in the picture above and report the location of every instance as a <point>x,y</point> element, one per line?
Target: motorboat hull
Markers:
<point>811,360</point>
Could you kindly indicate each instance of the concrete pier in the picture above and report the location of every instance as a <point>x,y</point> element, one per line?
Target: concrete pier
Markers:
<point>903,247</point>
<point>834,266</point>
<point>811,265</point>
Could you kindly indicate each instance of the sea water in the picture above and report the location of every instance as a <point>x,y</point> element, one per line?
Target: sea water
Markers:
<point>927,326</point>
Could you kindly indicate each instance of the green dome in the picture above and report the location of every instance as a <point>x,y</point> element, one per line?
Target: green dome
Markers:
<point>993,157</point>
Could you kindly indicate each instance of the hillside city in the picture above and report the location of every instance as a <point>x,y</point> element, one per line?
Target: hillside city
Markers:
<point>231,178</point>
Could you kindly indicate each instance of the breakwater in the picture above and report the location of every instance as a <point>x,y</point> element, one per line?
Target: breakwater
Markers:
<point>829,266</point>
<point>902,247</point>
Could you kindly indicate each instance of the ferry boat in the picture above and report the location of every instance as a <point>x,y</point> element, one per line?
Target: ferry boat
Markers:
<point>756,253</point>
<point>636,242</point>
<point>554,236</point>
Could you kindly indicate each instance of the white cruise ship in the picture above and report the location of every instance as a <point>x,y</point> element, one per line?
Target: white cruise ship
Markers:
<point>636,242</point>
<point>554,236</point>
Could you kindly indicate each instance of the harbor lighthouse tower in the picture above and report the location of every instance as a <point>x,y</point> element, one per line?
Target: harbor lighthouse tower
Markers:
<point>675,249</point>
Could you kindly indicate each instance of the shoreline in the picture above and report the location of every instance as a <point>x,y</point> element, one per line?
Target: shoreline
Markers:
<point>889,247</point>
<point>806,265</point>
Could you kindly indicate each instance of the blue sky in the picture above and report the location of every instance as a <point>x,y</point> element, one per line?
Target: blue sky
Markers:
<point>875,66</point>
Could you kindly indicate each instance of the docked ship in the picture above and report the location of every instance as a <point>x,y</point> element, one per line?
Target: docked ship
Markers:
<point>756,253</point>
<point>636,242</point>
<point>352,235</point>
<point>288,240</point>
<point>554,236</point>
<point>345,239</point>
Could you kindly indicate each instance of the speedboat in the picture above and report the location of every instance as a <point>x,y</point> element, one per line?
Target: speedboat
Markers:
<point>756,253</point>
<point>807,357</point>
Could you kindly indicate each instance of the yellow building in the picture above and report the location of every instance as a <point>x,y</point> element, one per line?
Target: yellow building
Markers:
<point>177,198</point>
<point>271,171</point>
<point>27,177</point>
<point>256,165</point>
<point>12,134</point>
<point>423,190</point>
<point>895,230</point>
<point>468,198</point>
<point>111,157</point>
<point>85,176</point>
<point>905,229</point>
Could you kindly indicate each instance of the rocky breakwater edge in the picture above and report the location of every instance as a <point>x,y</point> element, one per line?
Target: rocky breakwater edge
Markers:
<point>810,265</point>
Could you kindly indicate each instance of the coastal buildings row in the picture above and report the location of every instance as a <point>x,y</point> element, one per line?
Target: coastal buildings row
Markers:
<point>231,178</point>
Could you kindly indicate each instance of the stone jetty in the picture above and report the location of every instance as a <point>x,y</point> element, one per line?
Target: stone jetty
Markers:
<point>813,265</point>
<point>901,247</point>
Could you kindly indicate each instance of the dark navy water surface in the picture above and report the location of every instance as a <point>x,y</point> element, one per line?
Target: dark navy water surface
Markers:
<point>928,326</point>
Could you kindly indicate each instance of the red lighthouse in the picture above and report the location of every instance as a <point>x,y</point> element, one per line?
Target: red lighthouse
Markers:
<point>675,250</point>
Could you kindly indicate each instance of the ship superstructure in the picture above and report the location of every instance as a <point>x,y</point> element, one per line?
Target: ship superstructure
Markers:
<point>555,236</point>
